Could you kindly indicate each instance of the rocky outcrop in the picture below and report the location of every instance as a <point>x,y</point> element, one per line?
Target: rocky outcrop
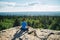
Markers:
<point>33,34</point>
<point>7,34</point>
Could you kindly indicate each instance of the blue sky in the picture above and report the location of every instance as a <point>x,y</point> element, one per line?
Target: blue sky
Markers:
<point>29,5</point>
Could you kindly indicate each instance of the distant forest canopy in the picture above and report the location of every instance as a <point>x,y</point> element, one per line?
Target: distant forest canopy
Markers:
<point>45,22</point>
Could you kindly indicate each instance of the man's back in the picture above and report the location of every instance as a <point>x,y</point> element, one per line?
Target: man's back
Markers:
<point>24,25</point>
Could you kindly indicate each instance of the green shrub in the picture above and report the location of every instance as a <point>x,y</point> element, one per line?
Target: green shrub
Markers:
<point>46,22</point>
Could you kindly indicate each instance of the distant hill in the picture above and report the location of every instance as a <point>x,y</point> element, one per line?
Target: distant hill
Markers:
<point>30,13</point>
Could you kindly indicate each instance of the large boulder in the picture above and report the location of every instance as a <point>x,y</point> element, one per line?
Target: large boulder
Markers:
<point>32,34</point>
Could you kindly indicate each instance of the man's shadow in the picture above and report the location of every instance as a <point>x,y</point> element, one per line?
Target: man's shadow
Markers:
<point>19,34</point>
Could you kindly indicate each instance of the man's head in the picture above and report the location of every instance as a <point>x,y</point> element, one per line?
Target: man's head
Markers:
<point>23,19</point>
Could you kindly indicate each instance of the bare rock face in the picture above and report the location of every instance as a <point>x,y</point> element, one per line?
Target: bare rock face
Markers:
<point>32,34</point>
<point>54,37</point>
<point>7,34</point>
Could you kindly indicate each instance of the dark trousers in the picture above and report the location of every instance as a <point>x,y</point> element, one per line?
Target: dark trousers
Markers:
<point>26,29</point>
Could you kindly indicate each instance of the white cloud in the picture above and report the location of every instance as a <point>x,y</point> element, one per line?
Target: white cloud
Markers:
<point>7,3</point>
<point>18,7</point>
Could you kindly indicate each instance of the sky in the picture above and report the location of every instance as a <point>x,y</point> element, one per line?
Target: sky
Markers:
<point>29,5</point>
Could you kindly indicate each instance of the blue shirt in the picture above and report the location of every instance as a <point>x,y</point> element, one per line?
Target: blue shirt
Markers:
<point>24,25</point>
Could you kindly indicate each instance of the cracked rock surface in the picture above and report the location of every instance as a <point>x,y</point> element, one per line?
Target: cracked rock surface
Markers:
<point>33,34</point>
